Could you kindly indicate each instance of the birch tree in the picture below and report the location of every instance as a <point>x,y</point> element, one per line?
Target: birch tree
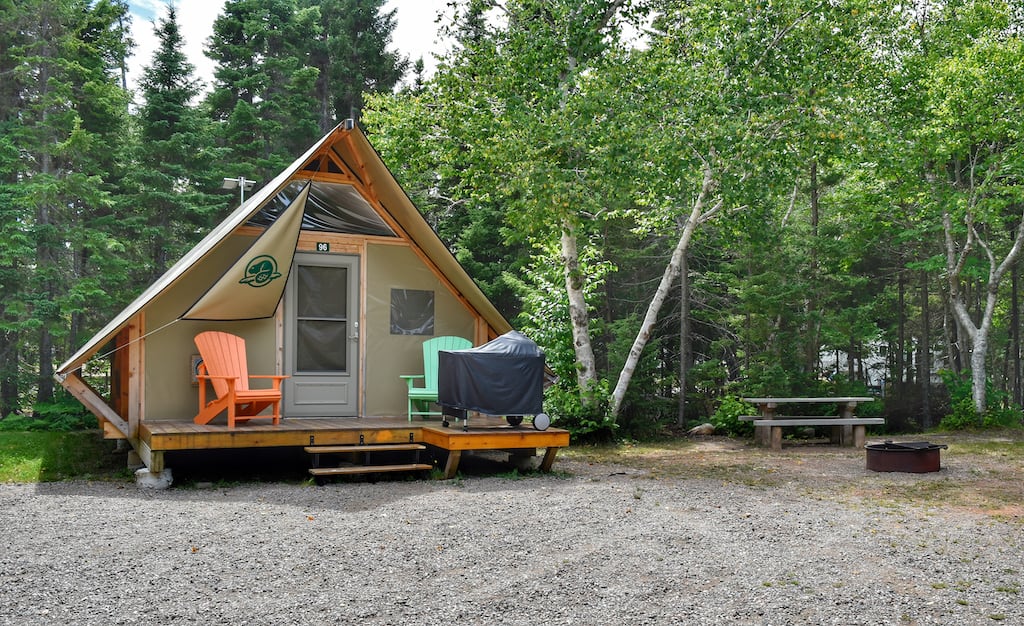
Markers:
<point>515,104</point>
<point>985,197</point>
<point>974,165</point>
<point>732,103</point>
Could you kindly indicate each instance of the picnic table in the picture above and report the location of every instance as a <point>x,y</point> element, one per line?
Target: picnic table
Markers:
<point>847,430</point>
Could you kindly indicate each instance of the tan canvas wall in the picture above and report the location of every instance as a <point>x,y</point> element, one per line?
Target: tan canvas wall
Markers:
<point>169,393</point>
<point>388,356</point>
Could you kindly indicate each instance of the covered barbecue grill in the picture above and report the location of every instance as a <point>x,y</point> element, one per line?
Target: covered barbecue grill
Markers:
<point>502,377</point>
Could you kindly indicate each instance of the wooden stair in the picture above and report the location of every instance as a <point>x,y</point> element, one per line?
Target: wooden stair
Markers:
<point>366,467</point>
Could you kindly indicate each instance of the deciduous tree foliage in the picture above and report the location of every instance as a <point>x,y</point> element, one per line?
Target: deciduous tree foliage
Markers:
<point>174,156</point>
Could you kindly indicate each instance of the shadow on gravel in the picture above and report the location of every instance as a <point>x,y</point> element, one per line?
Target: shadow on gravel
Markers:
<point>204,472</point>
<point>290,465</point>
<point>251,465</point>
<point>279,477</point>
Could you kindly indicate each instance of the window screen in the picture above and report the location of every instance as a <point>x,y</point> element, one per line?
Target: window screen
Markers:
<point>412,312</point>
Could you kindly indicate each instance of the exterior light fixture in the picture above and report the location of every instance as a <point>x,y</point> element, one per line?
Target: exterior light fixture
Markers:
<point>242,183</point>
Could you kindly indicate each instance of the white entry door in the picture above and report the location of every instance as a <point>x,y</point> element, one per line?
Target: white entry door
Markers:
<point>322,336</point>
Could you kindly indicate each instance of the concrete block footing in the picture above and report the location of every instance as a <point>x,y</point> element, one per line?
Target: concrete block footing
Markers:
<point>145,479</point>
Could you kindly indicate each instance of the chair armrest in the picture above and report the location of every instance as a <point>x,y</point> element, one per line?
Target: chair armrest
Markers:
<point>409,378</point>
<point>232,381</point>
<point>277,378</point>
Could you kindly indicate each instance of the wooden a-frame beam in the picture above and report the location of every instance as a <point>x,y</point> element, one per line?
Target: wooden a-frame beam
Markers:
<point>92,401</point>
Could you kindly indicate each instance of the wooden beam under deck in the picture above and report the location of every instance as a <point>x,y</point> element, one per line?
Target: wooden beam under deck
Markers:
<point>484,433</point>
<point>167,435</point>
<point>493,438</point>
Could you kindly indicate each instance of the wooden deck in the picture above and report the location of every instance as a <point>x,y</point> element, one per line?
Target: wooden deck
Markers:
<point>484,433</point>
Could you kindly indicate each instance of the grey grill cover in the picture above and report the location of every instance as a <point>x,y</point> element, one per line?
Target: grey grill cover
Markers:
<point>502,377</point>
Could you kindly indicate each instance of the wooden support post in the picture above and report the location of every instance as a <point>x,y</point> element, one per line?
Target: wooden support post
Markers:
<point>776,437</point>
<point>847,439</point>
<point>92,401</point>
<point>154,459</point>
<point>136,372</point>
<point>762,435</point>
<point>452,465</point>
<point>549,459</point>
<point>846,411</point>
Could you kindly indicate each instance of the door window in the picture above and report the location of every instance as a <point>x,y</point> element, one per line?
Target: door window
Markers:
<point>322,324</point>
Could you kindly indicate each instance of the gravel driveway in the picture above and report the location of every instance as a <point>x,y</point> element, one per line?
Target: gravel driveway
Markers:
<point>592,544</point>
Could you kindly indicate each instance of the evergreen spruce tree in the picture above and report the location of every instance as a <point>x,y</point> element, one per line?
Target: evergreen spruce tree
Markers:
<point>262,99</point>
<point>174,156</point>
<point>63,115</point>
<point>351,53</point>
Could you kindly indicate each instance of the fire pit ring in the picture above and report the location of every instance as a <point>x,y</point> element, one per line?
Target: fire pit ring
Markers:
<point>911,456</point>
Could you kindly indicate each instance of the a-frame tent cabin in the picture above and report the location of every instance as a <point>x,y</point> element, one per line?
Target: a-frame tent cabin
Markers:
<point>369,281</point>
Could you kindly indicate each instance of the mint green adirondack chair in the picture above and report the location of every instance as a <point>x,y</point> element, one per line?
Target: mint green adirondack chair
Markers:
<point>420,398</point>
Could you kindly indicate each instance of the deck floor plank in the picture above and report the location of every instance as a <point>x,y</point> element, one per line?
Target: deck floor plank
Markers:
<point>484,434</point>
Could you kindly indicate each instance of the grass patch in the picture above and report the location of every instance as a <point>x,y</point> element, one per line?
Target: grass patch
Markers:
<point>1006,449</point>
<point>39,457</point>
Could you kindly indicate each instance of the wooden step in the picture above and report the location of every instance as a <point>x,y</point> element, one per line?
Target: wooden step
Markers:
<point>368,469</point>
<point>378,447</point>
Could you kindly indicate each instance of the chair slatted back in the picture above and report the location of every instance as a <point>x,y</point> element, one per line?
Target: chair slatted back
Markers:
<point>224,355</point>
<point>430,359</point>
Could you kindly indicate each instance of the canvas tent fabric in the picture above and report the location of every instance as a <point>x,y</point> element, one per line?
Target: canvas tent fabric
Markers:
<point>347,144</point>
<point>237,218</point>
<point>504,376</point>
<point>252,287</point>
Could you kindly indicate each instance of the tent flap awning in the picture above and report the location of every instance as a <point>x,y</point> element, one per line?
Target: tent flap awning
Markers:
<point>252,287</point>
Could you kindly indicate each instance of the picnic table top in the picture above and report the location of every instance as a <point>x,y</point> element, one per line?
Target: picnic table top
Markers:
<point>808,400</point>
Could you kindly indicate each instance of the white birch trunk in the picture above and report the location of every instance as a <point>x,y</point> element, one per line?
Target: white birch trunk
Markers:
<point>977,334</point>
<point>579,316</point>
<point>697,214</point>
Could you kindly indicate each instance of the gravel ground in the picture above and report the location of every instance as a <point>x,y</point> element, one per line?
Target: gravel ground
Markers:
<point>591,544</point>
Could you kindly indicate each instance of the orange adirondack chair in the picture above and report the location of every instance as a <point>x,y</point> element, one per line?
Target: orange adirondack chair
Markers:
<point>224,365</point>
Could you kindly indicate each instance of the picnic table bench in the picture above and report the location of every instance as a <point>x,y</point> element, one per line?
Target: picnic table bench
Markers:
<point>847,430</point>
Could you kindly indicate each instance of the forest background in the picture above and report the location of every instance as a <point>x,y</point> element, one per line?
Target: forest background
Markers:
<point>682,201</point>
